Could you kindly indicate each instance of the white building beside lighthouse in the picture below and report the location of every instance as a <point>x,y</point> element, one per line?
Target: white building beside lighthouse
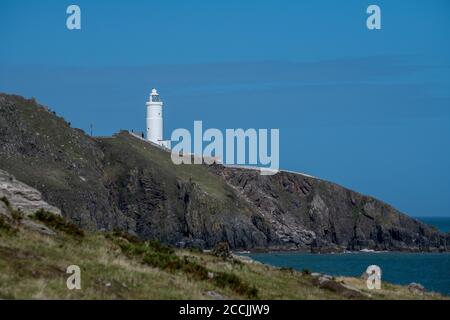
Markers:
<point>155,120</point>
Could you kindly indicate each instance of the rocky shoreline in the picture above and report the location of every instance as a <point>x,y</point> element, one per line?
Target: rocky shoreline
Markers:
<point>342,251</point>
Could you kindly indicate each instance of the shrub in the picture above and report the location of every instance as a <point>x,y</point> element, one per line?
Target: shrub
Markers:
<point>237,262</point>
<point>222,250</point>
<point>17,215</point>
<point>158,247</point>
<point>287,269</point>
<point>5,201</point>
<point>5,227</point>
<point>196,270</point>
<point>58,223</point>
<point>157,255</point>
<point>195,250</point>
<point>306,272</point>
<point>124,235</point>
<point>225,279</point>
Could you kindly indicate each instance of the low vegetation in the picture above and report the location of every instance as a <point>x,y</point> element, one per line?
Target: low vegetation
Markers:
<point>5,201</point>
<point>119,266</point>
<point>154,254</point>
<point>57,223</point>
<point>6,227</point>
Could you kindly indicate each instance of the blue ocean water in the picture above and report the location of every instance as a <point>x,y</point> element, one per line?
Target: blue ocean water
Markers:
<point>432,270</point>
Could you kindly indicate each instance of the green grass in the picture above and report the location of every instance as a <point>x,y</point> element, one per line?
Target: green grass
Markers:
<point>143,153</point>
<point>154,254</point>
<point>119,266</point>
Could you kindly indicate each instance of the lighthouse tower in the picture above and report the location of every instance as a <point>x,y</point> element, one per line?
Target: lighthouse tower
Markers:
<point>155,120</point>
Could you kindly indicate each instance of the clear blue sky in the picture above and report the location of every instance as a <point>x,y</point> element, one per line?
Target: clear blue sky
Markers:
<point>367,109</point>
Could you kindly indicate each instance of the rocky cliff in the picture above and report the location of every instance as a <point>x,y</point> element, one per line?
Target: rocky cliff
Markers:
<point>124,183</point>
<point>22,197</point>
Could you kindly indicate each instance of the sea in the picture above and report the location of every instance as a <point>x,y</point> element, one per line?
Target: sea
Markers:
<point>432,270</point>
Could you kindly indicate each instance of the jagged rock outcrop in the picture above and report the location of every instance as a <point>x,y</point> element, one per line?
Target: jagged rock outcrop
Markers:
<point>124,183</point>
<point>22,197</point>
<point>416,288</point>
<point>345,290</point>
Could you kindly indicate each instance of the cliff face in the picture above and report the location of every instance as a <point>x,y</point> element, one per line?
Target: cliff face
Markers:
<point>304,211</point>
<point>125,183</point>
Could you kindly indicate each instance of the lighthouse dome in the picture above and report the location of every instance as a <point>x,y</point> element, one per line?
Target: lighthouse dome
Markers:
<point>154,96</point>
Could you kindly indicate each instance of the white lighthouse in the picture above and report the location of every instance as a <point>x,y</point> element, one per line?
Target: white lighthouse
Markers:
<point>155,120</point>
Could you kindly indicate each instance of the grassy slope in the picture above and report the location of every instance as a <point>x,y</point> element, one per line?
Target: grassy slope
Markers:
<point>134,152</point>
<point>32,265</point>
